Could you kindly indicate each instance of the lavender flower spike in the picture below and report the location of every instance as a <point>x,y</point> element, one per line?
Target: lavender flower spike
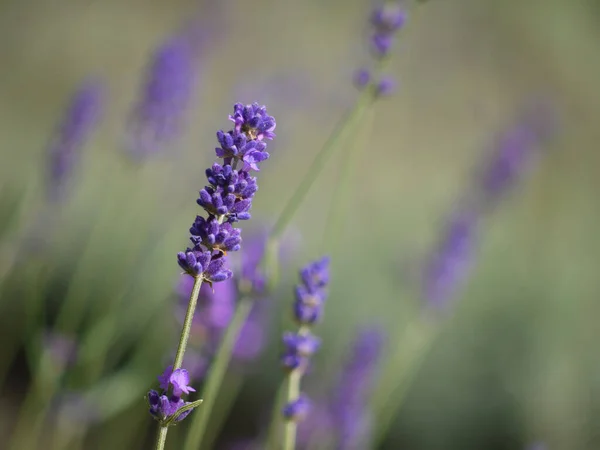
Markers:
<point>300,346</point>
<point>165,405</point>
<point>449,265</point>
<point>349,411</point>
<point>226,200</point>
<point>79,122</point>
<point>159,114</point>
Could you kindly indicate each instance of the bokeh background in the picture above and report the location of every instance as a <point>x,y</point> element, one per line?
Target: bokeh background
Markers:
<point>516,360</point>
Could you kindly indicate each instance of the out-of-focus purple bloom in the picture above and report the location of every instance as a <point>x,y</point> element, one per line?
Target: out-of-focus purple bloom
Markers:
<point>349,406</point>
<point>311,293</point>
<point>298,350</point>
<point>386,21</point>
<point>61,348</point>
<point>160,112</point>
<point>297,409</point>
<point>362,77</point>
<point>514,152</point>
<point>80,120</point>
<point>450,263</point>
<point>385,86</point>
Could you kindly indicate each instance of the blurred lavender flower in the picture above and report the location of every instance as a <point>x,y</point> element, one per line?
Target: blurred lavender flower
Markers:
<point>349,406</point>
<point>159,115</point>
<point>300,346</point>
<point>386,20</point>
<point>449,265</point>
<point>80,120</point>
<point>515,152</point>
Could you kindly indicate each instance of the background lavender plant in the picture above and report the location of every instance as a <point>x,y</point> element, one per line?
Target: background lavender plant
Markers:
<point>521,334</point>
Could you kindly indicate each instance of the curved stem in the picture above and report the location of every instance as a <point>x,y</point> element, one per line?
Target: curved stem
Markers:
<point>216,374</point>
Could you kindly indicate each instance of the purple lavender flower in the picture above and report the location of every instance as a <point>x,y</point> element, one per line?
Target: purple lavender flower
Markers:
<point>297,409</point>
<point>159,115</point>
<point>79,121</point>
<point>298,350</point>
<point>349,411</point>
<point>245,142</point>
<point>514,153</point>
<point>385,87</point>
<point>227,199</point>
<point>450,263</point>
<point>362,78</point>
<point>300,346</point>
<point>311,293</point>
<point>165,405</point>
<point>386,21</point>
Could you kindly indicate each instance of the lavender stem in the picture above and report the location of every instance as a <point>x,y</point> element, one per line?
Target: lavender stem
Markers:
<point>183,340</point>
<point>187,323</point>
<point>293,392</point>
<point>216,374</point>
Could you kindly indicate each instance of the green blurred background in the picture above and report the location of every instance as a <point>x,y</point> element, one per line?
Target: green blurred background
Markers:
<point>517,360</point>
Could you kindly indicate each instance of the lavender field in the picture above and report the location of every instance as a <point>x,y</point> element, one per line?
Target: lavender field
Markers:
<point>347,225</point>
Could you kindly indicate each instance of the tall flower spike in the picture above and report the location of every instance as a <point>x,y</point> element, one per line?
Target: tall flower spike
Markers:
<point>349,407</point>
<point>386,21</point>
<point>226,200</point>
<point>159,115</point>
<point>300,346</point>
<point>79,121</point>
<point>450,263</point>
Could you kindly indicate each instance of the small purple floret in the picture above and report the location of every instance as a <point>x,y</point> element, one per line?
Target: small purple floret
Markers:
<point>298,409</point>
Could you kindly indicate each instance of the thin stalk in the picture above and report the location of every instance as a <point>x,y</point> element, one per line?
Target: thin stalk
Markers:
<point>400,372</point>
<point>216,374</point>
<point>342,189</point>
<point>183,341</point>
<point>231,388</point>
<point>293,392</point>
<point>187,323</point>
<point>347,123</point>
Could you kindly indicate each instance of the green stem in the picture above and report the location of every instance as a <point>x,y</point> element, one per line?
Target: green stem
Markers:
<point>187,323</point>
<point>183,340</point>
<point>342,189</point>
<point>216,374</point>
<point>162,438</point>
<point>399,373</point>
<point>293,392</point>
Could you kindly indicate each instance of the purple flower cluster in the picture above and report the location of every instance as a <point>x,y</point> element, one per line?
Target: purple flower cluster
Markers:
<point>228,197</point>
<point>174,383</point>
<point>79,122</point>
<point>300,346</point>
<point>349,411</point>
<point>449,265</point>
<point>386,20</point>
<point>159,114</point>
